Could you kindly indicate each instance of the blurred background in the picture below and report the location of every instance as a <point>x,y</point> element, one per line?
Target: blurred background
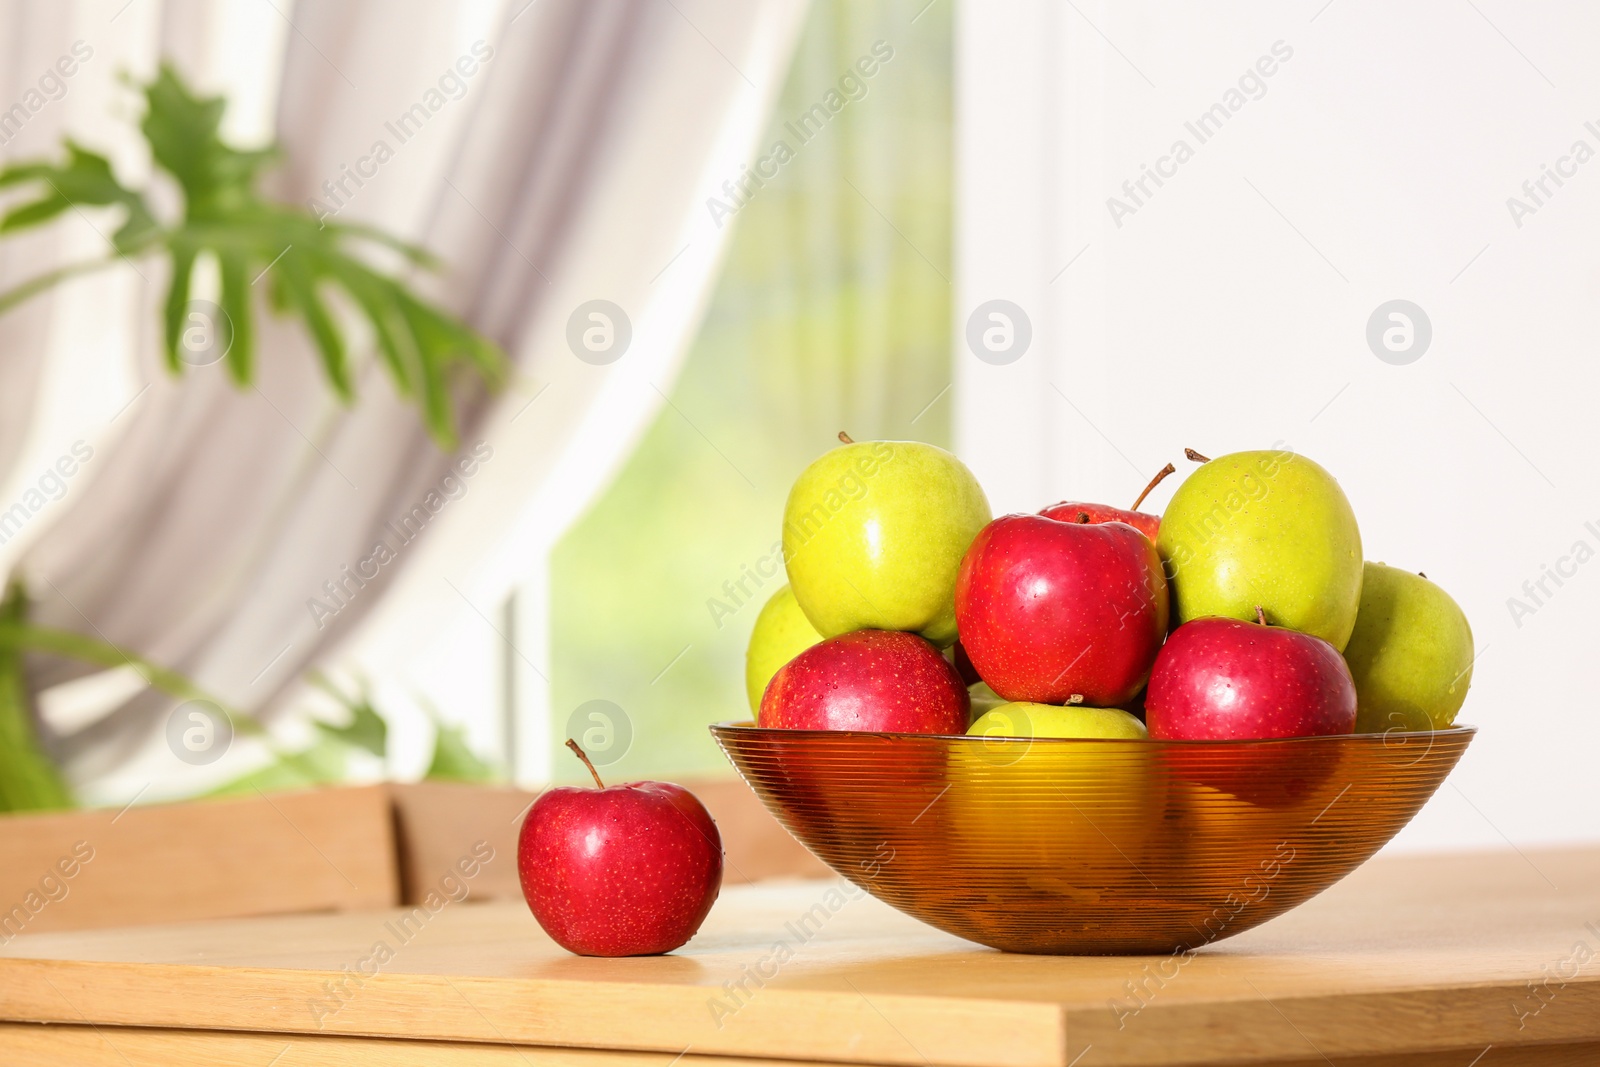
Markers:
<point>696,239</point>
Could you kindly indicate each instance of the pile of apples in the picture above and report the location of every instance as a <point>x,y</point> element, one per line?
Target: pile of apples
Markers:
<point>1245,611</point>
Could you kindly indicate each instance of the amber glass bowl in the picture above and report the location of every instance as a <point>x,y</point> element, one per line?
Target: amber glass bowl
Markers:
<point>1091,846</point>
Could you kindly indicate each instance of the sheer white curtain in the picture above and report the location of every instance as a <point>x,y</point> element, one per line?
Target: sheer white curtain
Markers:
<point>570,165</point>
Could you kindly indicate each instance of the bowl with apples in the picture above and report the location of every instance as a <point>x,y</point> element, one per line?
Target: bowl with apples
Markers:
<point>1090,729</point>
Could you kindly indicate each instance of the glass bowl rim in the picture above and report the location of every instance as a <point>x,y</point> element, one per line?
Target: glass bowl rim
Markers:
<point>748,728</point>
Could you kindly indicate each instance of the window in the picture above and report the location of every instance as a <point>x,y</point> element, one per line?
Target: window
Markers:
<point>833,313</point>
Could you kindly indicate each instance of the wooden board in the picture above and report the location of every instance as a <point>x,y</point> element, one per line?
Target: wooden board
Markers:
<point>335,849</point>
<point>320,850</point>
<point>1408,955</point>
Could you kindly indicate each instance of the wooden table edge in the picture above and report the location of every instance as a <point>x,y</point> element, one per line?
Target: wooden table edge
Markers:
<point>949,1031</point>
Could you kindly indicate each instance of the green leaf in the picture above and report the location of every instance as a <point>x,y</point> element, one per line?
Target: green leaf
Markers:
<point>177,303</point>
<point>29,780</point>
<point>323,763</point>
<point>366,728</point>
<point>377,297</point>
<point>453,760</point>
<point>414,254</point>
<point>85,179</point>
<point>185,141</point>
<point>234,269</point>
<point>86,649</point>
<point>17,173</point>
<point>365,731</point>
<point>225,215</point>
<point>138,231</point>
<point>301,285</point>
<point>442,342</point>
<point>43,209</point>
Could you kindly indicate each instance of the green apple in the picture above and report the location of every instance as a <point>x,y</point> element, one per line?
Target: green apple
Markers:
<point>1410,654</point>
<point>873,535</point>
<point>781,633</point>
<point>1025,719</point>
<point>1268,529</point>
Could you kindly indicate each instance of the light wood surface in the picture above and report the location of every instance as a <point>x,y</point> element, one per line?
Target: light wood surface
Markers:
<point>1407,956</point>
<point>320,850</point>
<point>84,1046</point>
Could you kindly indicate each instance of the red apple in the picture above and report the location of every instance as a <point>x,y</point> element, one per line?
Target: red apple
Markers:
<point>1224,679</point>
<point>625,870</point>
<point>1073,511</point>
<point>1076,511</point>
<point>1050,610</point>
<point>879,680</point>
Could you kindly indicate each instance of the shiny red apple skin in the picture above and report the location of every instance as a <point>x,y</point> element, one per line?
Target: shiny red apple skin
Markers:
<point>1049,610</point>
<point>875,680</point>
<point>628,870</point>
<point>1074,511</point>
<point>1224,679</point>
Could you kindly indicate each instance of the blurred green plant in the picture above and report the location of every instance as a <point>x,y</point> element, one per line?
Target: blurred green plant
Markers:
<point>226,219</point>
<point>453,759</point>
<point>30,781</point>
<point>326,760</point>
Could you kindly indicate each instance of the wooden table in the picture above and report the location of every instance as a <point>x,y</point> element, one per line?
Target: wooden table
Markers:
<point>1482,960</point>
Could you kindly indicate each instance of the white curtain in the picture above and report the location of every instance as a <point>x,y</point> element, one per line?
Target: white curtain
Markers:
<point>571,165</point>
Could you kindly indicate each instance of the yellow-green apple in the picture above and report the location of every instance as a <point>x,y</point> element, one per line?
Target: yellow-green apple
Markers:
<point>878,680</point>
<point>873,534</point>
<point>1410,654</point>
<point>1224,680</point>
<point>1266,529</point>
<point>781,633</point>
<point>1027,720</point>
<point>1053,610</point>
<point>1066,816</point>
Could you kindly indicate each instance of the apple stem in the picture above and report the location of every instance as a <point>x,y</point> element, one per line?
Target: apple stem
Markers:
<point>1421,575</point>
<point>1083,517</point>
<point>845,438</point>
<point>1075,698</point>
<point>1160,474</point>
<point>1261,615</point>
<point>1195,456</point>
<point>585,757</point>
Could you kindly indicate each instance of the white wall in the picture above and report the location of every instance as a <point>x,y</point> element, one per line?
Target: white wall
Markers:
<point>1230,310</point>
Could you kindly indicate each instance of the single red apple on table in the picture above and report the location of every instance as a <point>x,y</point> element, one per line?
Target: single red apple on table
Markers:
<point>1051,610</point>
<point>1077,511</point>
<point>624,870</point>
<point>1224,679</point>
<point>877,680</point>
